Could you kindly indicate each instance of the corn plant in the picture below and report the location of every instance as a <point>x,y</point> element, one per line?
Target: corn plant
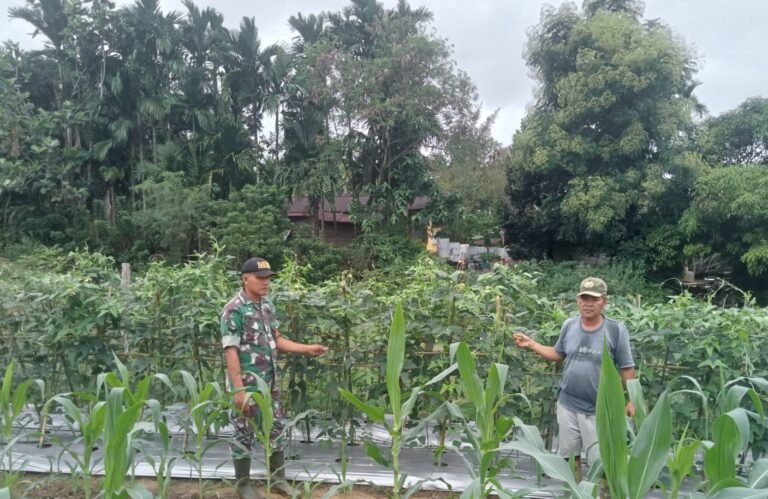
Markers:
<point>125,403</point>
<point>205,405</point>
<point>630,473</point>
<point>12,402</point>
<point>91,430</point>
<point>263,424</point>
<point>119,427</point>
<point>163,465</point>
<point>400,410</point>
<point>680,462</point>
<point>491,427</point>
<point>730,431</point>
<point>552,465</point>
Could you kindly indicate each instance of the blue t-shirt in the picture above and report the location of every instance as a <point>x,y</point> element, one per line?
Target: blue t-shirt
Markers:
<point>582,351</point>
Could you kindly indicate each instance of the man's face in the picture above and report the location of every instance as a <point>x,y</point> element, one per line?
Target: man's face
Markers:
<point>256,285</point>
<point>591,307</point>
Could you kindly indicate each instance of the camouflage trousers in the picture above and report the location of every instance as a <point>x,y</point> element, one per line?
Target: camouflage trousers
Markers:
<point>249,421</point>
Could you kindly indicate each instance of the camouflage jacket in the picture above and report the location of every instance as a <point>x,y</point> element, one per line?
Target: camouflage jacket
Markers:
<point>251,327</point>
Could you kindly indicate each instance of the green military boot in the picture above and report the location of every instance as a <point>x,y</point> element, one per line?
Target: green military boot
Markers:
<point>245,487</point>
<point>277,472</point>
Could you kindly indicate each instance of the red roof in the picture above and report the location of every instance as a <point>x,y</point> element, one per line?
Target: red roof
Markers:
<point>299,208</point>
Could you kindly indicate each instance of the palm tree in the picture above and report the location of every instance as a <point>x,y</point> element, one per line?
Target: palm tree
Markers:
<point>246,81</point>
<point>309,30</point>
<point>49,17</point>
<point>280,84</point>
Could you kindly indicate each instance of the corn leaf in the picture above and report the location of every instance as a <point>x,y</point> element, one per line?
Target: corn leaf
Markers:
<point>728,433</point>
<point>740,493</point>
<point>124,374</point>
<point>375,453</point>
<point>530,434</point>
<point>437,414</point>
<point>408,406</point>
<point>635,390</point>
<point>395,356</point>
<point>191,383</point>
<point>758,475</point>
<point>375,414</point>
<point>650,449</point>
<point>473,387</point>
<point>680,463</point>
<point>612,426</point>
<point>554,467</point>
<point>5,392</point>
<point>120,422</point>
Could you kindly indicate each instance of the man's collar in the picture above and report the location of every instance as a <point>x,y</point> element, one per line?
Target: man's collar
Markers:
<point>247,299</point>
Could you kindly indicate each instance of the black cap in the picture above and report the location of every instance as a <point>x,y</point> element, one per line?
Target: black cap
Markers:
<point>257,266</point>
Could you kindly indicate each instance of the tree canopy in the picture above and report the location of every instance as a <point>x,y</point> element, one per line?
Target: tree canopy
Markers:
<point>604,144</point>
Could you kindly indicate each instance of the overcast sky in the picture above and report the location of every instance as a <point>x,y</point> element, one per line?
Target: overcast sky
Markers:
<point>488,38</point>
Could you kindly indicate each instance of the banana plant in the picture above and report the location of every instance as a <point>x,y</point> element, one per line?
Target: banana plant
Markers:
<point>400,410</point>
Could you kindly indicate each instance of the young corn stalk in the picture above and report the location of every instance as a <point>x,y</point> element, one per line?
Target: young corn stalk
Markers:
<point>119,428</point>
<point>491,428</point>
<point>163,465</point>
<point>400,410</point>
<point>630,473</point>
<point>263,425</point>
<point>125,403</point>
<point>91,428</point>
<point>206,404</point>
<point>12,403</point>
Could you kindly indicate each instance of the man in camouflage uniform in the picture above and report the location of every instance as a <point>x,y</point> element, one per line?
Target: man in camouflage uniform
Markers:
<point>251,340</point>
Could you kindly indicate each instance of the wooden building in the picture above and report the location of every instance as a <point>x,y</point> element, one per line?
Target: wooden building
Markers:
<point>334,222</point>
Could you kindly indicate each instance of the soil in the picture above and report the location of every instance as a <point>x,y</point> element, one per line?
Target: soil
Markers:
<point>37,486</point>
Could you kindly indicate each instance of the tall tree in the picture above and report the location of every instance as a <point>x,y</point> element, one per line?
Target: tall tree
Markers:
<point>393,80</point>
<point>738,137</point>
<point>613,111</point>
<point>729,218</point>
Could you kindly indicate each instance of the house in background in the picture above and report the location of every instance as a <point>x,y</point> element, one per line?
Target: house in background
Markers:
<point>333,220</point>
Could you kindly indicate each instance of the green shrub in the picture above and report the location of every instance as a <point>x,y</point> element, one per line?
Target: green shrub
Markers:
<point>377,251</point>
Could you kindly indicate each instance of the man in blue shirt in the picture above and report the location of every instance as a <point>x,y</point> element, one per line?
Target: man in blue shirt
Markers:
<point>581,344</point>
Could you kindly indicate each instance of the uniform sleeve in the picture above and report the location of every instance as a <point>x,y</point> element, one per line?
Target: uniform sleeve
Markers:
<point>231,328</point>
<point>560,345</point>
<point>623,349</point>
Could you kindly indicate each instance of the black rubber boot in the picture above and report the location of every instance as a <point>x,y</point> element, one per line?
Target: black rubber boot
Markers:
<point>245,488</point>
<point>277,471</point>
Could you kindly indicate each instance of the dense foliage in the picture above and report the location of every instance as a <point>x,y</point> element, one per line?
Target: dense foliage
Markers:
<point>602,158</point>
<point>611,158</point>
<point>64,315</point>
<point>143,133</point>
